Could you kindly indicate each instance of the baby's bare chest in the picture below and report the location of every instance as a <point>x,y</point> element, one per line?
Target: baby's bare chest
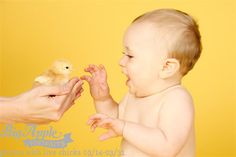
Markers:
<point>143,112</point>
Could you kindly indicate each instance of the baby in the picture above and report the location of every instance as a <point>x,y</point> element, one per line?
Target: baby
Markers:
<point>156,116</point>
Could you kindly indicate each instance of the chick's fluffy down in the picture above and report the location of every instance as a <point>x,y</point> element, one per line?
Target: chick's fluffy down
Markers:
<point>57,74</point>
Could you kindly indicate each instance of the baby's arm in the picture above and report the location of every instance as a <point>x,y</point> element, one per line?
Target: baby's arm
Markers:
<point>99,90</point>
<point>176,121</point>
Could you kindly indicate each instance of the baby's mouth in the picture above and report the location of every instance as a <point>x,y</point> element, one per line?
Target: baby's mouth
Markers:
<point>128,79</point>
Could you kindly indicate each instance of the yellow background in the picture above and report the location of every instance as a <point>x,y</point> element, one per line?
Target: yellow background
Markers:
<point>33,33</point>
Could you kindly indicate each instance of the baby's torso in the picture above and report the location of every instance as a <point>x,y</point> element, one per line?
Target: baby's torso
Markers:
<point>145,111</point>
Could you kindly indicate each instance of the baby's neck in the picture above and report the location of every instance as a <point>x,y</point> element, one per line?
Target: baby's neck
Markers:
<point>158,87</point>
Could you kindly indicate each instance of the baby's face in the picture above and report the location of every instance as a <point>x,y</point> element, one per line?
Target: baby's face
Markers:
<point>142,58</point>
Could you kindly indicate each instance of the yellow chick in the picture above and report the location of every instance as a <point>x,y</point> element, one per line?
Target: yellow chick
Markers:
<point>57,74</point>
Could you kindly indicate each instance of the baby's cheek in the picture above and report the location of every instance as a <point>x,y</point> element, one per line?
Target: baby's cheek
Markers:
<point>134,69</point>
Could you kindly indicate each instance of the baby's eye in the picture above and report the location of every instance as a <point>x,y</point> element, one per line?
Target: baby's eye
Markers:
<point>127,55</point>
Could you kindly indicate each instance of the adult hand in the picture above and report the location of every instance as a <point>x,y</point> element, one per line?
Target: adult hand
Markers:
<point>42,104</point>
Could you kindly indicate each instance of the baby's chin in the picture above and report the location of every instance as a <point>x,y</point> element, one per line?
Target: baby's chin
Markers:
<point>131,91</point>
<point>135,93</point>
<point>130,87</point>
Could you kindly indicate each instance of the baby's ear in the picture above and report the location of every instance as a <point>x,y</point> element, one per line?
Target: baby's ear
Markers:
<point>170,68</point>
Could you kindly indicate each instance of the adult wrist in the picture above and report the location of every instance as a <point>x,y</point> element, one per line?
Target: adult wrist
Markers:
<point>8,110</point>
<point>17,108</point>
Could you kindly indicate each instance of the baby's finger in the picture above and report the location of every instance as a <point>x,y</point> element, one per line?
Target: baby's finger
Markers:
<point>91,121</point>
<point>102,67</point>
<point>95,68</point>
<point>92,68</point>
<point>89,69</point>
<point>105,123</point>
<point>93,126</point>
<point>86,78</point>
<point>106,136</point>
<point>97,116</point>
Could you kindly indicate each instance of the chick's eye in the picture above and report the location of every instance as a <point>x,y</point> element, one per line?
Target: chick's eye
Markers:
<point>67,67</point>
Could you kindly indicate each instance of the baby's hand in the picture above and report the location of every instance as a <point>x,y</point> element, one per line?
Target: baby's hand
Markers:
<point>114,126</point>
<point>98,82</point>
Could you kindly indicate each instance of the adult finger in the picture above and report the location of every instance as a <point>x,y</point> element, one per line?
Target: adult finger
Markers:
<point>77,88</point>
<point>58,89</point>
<point>69,99</point>
<point>79,93</point>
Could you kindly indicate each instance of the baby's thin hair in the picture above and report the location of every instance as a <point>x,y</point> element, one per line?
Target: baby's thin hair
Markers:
<point>182,34</point>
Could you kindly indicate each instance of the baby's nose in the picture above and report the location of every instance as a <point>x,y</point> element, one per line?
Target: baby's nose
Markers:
<point>122,62</point>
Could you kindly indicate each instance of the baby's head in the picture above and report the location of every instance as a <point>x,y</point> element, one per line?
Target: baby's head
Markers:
<point>162,44</point>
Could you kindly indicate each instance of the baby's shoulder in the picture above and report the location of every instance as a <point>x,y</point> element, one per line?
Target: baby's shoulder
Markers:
<point>178,96</point>
<point>177,93</point>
